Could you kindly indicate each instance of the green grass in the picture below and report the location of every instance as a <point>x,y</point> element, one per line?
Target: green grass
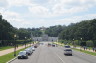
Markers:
<point>87,52</point>
<point>7,57</point>
<point>5,47</point>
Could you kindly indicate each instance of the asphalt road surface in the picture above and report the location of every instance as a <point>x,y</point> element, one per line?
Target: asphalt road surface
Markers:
<point>45,54</point>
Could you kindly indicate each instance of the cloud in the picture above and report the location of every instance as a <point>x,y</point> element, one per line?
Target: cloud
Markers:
<point>75,19</point>
<point>18,3</point>
<point>46,13</point>
<point>38,10</point>
<point>3,3</point>
<point>61,7</point>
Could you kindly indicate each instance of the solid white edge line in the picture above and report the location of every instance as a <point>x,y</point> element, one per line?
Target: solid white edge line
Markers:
<point>11,60</point>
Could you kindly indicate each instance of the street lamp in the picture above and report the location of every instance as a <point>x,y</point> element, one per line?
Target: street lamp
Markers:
<point>14,45</point>
<point>81,44</point>
<point>73,43</point>
<point>25,42</point>
<point>30,42</point>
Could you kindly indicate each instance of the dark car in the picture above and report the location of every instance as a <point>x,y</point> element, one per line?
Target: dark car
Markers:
<point>35,46</point>
<point>67,47</point>
<point>53,45</point>
<point>22,55</point>
<point>49,44</point>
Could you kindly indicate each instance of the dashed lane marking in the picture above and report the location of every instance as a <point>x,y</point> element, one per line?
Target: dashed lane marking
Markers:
<point>60,58</point>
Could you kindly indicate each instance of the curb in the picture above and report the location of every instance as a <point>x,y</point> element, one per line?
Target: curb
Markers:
<point>11,60</point>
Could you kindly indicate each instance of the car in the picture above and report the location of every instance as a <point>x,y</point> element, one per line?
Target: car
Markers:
<point>35,46</point>
<point>22,55</point>
<point>67,47</point>
<point>53,45</point>
<point>49,44</point>
<point>29,51</point>
<point>68,52</point>
<point>32,47</point>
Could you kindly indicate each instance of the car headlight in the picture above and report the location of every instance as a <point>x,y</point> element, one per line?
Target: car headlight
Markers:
<point>18,55</point>
<point>24,55</point>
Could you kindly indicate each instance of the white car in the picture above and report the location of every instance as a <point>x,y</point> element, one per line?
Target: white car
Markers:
<point>33,49</point>
<point>68,52</point>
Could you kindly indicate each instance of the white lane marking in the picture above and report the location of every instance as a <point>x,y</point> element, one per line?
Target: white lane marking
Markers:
<point>60,58</point>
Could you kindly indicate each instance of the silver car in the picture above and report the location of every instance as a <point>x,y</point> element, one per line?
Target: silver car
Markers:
<point>29,51</point>
<point>68,52</point>
<point>32,47</point>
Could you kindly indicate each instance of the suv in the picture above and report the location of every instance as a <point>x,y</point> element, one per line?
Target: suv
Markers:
<point>22,54</point>
<point>68,52</point>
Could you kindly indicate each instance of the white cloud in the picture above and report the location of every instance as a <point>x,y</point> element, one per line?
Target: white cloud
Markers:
<point>61,7</point>
<point>18,3</point>
<point>75,19</point>
<point>38,10</point>
<point>10,14</point>
<point>3,3</point>
<point>48,9</point>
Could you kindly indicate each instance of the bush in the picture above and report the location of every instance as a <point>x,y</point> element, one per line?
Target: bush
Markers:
<point>89,43</point>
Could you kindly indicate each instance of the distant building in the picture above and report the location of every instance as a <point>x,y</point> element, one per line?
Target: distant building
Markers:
<point>45,37</point>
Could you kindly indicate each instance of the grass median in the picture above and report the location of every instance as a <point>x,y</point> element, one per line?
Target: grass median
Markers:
<point>87,52</point>
<point>5,47</point>
<point>7,57</point>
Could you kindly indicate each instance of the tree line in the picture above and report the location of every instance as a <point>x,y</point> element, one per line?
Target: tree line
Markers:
<point>7,32</point>
<point>84,30</point>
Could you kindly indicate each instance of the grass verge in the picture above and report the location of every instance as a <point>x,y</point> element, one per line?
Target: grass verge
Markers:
<point>7,57</point>
<point>5,47</point>
<point>87,52</point>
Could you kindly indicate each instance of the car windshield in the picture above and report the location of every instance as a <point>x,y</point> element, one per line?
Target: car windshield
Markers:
<point>22,53</point>
<point>67,46</point>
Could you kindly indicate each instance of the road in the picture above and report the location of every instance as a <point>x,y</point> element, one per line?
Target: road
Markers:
<point>44,54</point>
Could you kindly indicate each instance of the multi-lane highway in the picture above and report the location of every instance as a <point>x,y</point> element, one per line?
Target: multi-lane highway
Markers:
<point>45,54</point>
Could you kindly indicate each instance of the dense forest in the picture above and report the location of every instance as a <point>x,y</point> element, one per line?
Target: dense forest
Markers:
<point>85,29</point>
<point>7,31</point>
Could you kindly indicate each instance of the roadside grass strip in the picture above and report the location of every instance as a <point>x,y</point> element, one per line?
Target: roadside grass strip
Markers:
<point>5,47</point>
<point>7,57</point>
<point>87,52</point>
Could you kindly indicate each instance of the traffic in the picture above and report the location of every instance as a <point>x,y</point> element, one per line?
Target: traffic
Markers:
<point>27,52</point>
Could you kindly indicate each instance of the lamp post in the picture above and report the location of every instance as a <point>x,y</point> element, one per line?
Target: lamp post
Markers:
<point>81,44</point>
<point>73,43</point>
<point>14,45</point>
<point>30,42</point>
<point>25,42</point>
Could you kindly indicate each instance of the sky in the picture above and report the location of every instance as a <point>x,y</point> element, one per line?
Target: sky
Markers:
<point>38,13</point>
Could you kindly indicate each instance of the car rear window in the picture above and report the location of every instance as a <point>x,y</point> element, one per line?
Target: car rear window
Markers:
<point>68,50</point>
<point>67,46</point>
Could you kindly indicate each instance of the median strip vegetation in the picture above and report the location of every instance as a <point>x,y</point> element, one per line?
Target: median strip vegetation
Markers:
<point>7,57</point>
<point>5,47</point>
<point>84,51</point>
